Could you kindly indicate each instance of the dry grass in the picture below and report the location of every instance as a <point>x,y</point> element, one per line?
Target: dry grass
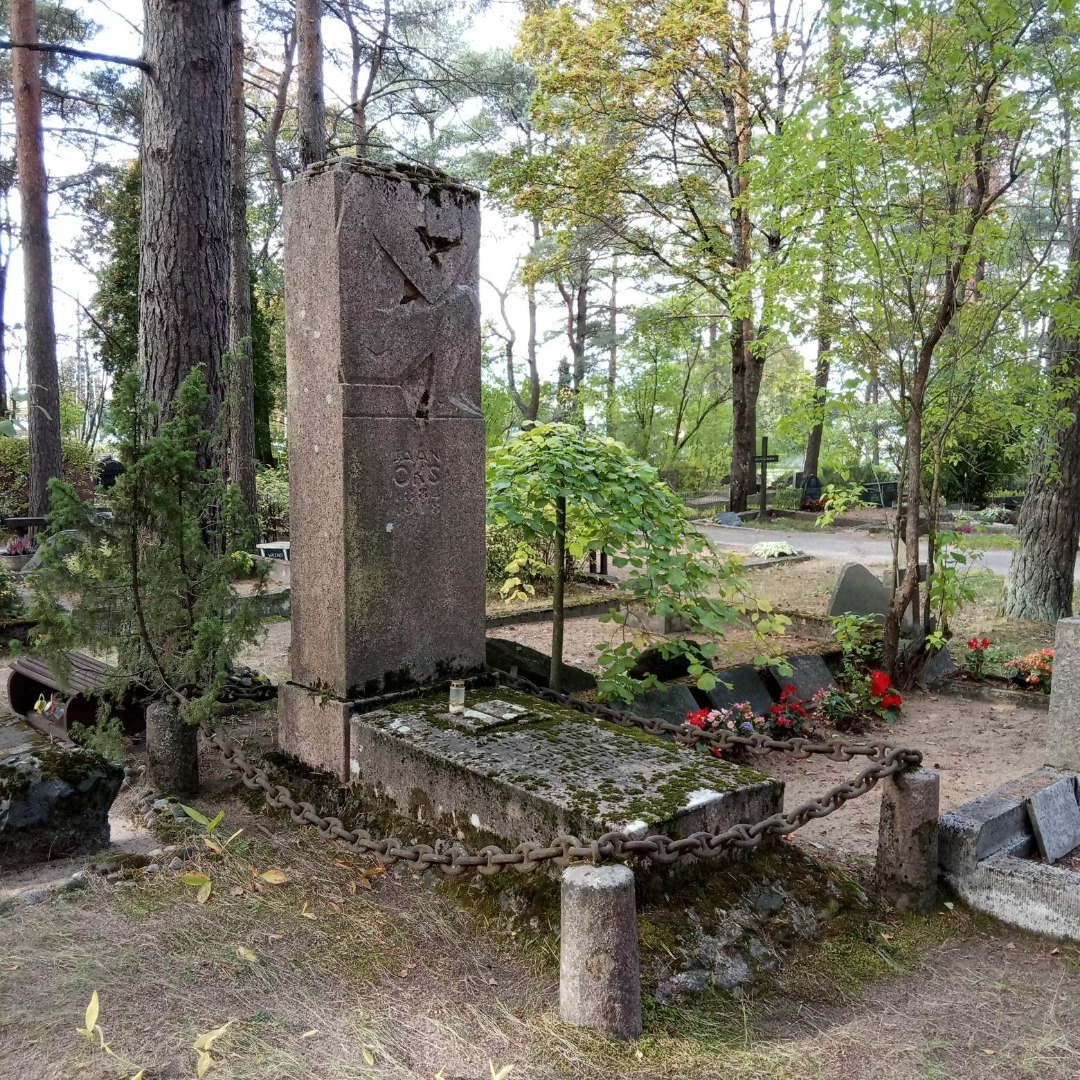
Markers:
<point>406,980</point>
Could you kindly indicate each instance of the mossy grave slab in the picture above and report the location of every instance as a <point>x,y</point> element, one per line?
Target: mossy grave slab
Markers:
<point>547,771</point>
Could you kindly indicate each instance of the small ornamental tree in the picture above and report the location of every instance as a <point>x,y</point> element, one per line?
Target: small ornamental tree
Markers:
<point>578,492</point>
<point>145,574</point>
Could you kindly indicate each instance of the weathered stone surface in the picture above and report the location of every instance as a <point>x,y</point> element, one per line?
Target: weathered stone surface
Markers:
<point>1063,733</point>
<point>939,668</point>
<point>652,661</point>
<point>600,967</point>
<point>54,802</point>
<point>172,750</point>
<point>907,855</point>
<point>984,849</point>
<point>739,684</point>
<point>504,654</point>
<point>315,728</point>
<point>1055,818</point>
<point>730,519</point>
<point>858,592</point>
<point>670,703</point>
<point>386,433</point>
<point>559,772</point>
<point>809,674</point>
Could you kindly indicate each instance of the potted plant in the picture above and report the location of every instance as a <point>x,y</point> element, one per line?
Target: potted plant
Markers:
<point>18,551</point>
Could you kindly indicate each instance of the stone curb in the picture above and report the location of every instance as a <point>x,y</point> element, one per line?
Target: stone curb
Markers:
<point>980,692</point>
<point>37,894</point>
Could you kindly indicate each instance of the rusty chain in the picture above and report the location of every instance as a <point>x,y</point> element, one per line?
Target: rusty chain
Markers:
<point>453,858</point>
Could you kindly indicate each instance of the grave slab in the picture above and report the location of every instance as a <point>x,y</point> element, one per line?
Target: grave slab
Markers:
<point>744,684</point>
<point>858,592</point>
<point>552,771</point>
<point>809,674</point>
<point>670,703</point>
<point>1055,818</point>
<point>985,849</point>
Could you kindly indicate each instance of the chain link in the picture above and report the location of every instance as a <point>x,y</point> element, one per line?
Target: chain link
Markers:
<point>453,858</point>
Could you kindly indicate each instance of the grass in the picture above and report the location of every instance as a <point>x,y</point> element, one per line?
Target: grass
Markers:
<point>403,979</point>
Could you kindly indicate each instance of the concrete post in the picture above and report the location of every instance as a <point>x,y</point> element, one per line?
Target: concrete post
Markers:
<point>600,976</point>
<point>1063,729</point>
<point>907,855</point>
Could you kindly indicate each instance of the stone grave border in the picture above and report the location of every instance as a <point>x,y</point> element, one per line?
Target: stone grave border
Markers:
<point>596,912</point>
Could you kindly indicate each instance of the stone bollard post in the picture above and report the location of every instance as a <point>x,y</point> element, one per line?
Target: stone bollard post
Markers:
<point>1063,727</point>
<point>172,750</point>
<point>907,855</point>
<point>600,976</point>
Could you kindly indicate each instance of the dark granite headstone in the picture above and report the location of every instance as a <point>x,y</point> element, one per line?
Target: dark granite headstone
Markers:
<point>1055,817</point>
<point>504,654</point>
<point>858,592</point>
<point>670,703</point>
<point>652,661</point>
<point>809,674</point>
<point>730,519</point>
<point>744,683</point>
<point>811,489</point>
<point>939,668</point>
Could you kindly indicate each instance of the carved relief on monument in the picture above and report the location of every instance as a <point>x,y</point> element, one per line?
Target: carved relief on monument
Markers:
<point>416,242</point>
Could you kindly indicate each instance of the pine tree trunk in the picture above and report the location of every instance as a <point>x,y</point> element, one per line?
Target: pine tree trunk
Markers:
<point>184,231</point>
<point>311,113</point>
<point>41,372</point>
<point>240,394</point>
<point>1040,584</point>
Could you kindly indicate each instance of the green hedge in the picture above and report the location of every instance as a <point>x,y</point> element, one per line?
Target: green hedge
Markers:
<point>80,469</point>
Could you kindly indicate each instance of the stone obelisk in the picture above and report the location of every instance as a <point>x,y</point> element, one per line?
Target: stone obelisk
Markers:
<point>386,443</point>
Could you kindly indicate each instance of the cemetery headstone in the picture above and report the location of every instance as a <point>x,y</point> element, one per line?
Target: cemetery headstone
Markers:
<point>732,520</point>
<point>670,703</point>
<point>386,442</point>
<point>738,684</point>
<point>809,674</point>
<point>858,592</point>
<point>811,489</point>
<point>1055,819</point>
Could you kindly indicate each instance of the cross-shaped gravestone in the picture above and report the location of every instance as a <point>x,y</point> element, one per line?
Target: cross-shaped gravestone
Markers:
<point>764,459</point>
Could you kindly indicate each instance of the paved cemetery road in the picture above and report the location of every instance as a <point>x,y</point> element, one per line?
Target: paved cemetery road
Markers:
<point>841,545</point>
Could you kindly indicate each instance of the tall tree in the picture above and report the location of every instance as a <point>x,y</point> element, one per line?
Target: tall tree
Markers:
<point>309,93</point>
<point>185,226</point>
<point>240,392</point>
<point>42,374</point>
<point>1040,582</point>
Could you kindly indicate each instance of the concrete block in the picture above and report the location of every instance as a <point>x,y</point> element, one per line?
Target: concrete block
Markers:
<point>600,965</point>
<point>907,855</point>
<point>554,771</point>
<point>1063,731</point>
<point>315,728</point>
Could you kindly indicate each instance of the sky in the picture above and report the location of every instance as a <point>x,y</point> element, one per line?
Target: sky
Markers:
<point>502,242</point>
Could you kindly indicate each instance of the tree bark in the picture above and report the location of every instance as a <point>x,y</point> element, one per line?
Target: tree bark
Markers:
<point>311,118</point>
<point>557,595</point>
<point>1040,584</point>
<point>613,348</point>
<point>184,231</point>
<point>240,396</point>
<point>746,372</point>
<point>41,372</point>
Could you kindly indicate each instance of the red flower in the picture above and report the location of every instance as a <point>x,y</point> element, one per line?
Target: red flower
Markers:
<point>986,643</point>
<point>891,701</point>
<point>879,683</point>
<point>973,643</point>
<point>697,718</point>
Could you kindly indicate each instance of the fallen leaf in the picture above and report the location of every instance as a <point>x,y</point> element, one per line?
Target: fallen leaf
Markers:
<point>194,879</point>
<point>272,938</point>
<point>886,937</point>
<point>236,890</point>
<point>989,1053</point>
<point>373,871</point>
<point>204,1063</point>
<point>92,1011</point>
<point>305,913</point>
<point>207,1040</point>
<point>204,892</point>
<point>246,954</point>
<point>405,973</point>
<point>274,877</point>
<point>369,1057</point>
<point>310,1034</point>
<point>363,883</point>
